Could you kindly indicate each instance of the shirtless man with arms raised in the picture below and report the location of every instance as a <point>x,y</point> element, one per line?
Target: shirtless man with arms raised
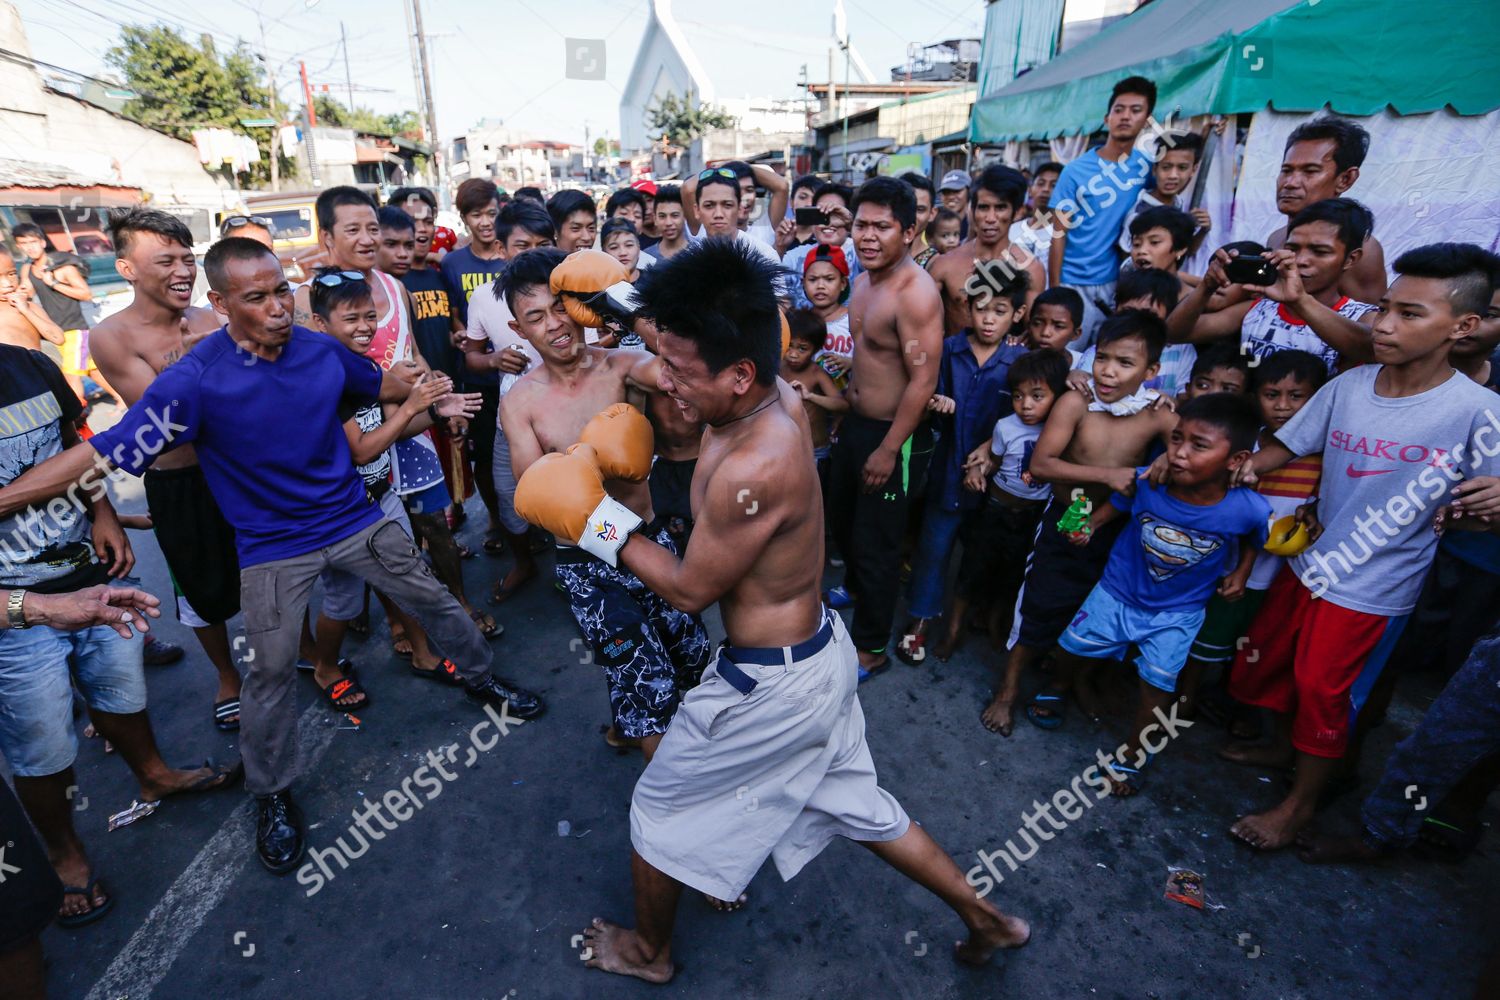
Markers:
<point>895,315</point>
<point>994,200</point>
<point>777,715</point>
<point>154,253</point>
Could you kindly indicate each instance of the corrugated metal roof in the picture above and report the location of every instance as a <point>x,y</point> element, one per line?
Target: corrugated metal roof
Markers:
<point>30,174</point>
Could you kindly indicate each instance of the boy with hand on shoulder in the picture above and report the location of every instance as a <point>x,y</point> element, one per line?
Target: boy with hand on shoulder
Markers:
<point>1282,385</point>
<point>1220,368</point>
<point>999,538</point>
<point>1167,563</point>
<point>821,399</point>
<point>1396,436</point>
<point>971,395</point>
<point>1177,157</point>
<point>1088,449</point>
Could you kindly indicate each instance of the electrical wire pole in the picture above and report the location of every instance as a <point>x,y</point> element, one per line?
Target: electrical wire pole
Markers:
<point>426,68</point>
<point>348,79</point>
<point>416,71</point>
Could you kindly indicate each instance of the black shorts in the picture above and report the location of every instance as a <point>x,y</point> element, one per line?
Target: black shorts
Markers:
<point>30,893</point>
<point>996,540</point>
<point>1459,604</point>
<point>1059,576</point>
<point>482,424</point>
<point>651,652</point>
<point>671,496</point>
<point>196,541</point>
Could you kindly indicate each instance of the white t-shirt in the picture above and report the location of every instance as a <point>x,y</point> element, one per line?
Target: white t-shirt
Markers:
<point>489,319</point>
<point>840,340</point>
<point>1012,443</point>
<point>1036,242</point>
<point>1270,326</point>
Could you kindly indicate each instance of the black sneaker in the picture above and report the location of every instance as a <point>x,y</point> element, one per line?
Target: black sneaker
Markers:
<point>159,653</point>
<point>280,840</point>
<point>494,691</point>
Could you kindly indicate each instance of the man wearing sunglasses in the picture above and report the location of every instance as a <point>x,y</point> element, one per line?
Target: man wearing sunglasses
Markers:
<point>714,196</point>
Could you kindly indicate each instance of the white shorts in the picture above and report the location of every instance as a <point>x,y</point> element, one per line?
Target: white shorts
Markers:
<point>778,771</point>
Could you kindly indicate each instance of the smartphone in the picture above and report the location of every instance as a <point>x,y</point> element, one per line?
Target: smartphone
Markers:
<point>812,217</point>
<point>1250,269</point>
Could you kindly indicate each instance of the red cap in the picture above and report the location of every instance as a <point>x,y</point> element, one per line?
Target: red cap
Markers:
<point>645,187</point>
<point>833,255</point>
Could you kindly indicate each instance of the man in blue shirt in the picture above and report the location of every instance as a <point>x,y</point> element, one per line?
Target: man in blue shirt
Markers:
<point>1094,193</point>
<point>259,401</point>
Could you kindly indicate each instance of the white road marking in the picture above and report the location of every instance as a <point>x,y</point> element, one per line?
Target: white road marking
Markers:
<point>182,909</point>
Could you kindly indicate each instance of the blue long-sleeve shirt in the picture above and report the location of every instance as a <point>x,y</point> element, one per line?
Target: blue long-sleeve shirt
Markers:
<point>981,396</point>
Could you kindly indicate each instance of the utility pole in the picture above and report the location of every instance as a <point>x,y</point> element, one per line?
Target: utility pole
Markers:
<point>416,72</point>
<point>426,67</point>
<point>348,79</point>
<point>847,43</point>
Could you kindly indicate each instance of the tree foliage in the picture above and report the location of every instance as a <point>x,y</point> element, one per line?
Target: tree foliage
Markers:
<point>181,85</point>
<point>333,113</point>
<point>680,120</point>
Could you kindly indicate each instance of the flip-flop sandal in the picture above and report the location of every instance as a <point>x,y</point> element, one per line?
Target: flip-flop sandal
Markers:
<point>360,625</point>
<point>1132,777</point>
<point>1056,705</point>
<point>865,673</point>
<point>220,778</point>
<point>95,910</point>
<point>222,712</point>
<point>912,647</point>
<point>345,687</point>
<point>500,593</point>
<point>464,552</point>
<point>495,629</point>
<point>446,671</point>
<point>493,545</point>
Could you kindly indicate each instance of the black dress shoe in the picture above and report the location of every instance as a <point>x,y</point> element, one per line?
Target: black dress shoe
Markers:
<point>518,702</point>
<point>280,840</point>
<point>159,653</point>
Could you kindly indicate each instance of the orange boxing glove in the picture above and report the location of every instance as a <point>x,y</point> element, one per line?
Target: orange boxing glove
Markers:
<point>593,287</point>
<point>624,441</point>
<point>565,495</point>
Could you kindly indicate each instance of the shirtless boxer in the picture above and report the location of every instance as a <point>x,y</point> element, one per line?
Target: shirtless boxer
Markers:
<point>895,315</point>
<point>154,253</point>
<point>650,651</point>
<point>995,200</point>
<point>776,719</point>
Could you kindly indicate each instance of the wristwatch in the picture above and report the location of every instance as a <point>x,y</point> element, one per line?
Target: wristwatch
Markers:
<point>13,611</point>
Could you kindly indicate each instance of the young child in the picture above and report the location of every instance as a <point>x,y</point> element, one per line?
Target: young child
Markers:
<point>1219,368</point>
<point>1304,309</point>
<point>622,240</point>
<point>1088,448</point>
<point>943,231</point>
<point>825,282</point>
<point>821,399</point>
<point>1161,237</point>
<point>1180,541</point>
<point>972,393</point>
<point>1395,436</point>
<point>1177,157</point>
<point>344,308</point>
<point>1056,320</point>
<point>1156,291</point>
<point>1282,385</point>
<point>996,541</point>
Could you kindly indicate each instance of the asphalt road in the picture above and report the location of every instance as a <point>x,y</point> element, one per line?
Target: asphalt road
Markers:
<point>481,893</point>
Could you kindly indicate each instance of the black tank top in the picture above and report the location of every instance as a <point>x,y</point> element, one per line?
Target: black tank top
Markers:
<point>65,312</point>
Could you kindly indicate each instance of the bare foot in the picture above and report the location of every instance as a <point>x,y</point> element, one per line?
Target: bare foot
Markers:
<point>997,715</point>
<point>1318,849</point>
<point>619,950</point>
<point>613,738</point>
<point>1259,754</point>
<point>1273,829</point>
<point>1001,932</point>
<point>1088,699</point>
<point>727,905</point>
<point>947,644</point>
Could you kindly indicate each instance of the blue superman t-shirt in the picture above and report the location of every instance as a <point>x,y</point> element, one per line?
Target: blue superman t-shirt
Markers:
<point>1172,554</point>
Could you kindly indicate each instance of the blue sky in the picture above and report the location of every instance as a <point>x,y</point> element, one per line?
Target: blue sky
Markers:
<point>505,58</point>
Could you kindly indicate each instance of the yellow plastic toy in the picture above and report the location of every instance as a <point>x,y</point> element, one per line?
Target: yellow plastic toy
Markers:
<point>1288,537</point>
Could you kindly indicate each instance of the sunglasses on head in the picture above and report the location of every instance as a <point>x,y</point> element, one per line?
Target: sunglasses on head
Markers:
<point>719,172</point>
<point>337,278</point>
<point>236,221</point>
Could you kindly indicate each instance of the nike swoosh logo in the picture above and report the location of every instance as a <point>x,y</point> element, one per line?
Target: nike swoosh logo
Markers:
<point>1354,473</point>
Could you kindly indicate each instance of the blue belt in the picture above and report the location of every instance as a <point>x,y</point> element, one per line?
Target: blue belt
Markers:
<point>769,656</point>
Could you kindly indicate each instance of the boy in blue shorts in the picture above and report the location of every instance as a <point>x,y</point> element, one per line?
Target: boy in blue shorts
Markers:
<point>1182,538</point>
